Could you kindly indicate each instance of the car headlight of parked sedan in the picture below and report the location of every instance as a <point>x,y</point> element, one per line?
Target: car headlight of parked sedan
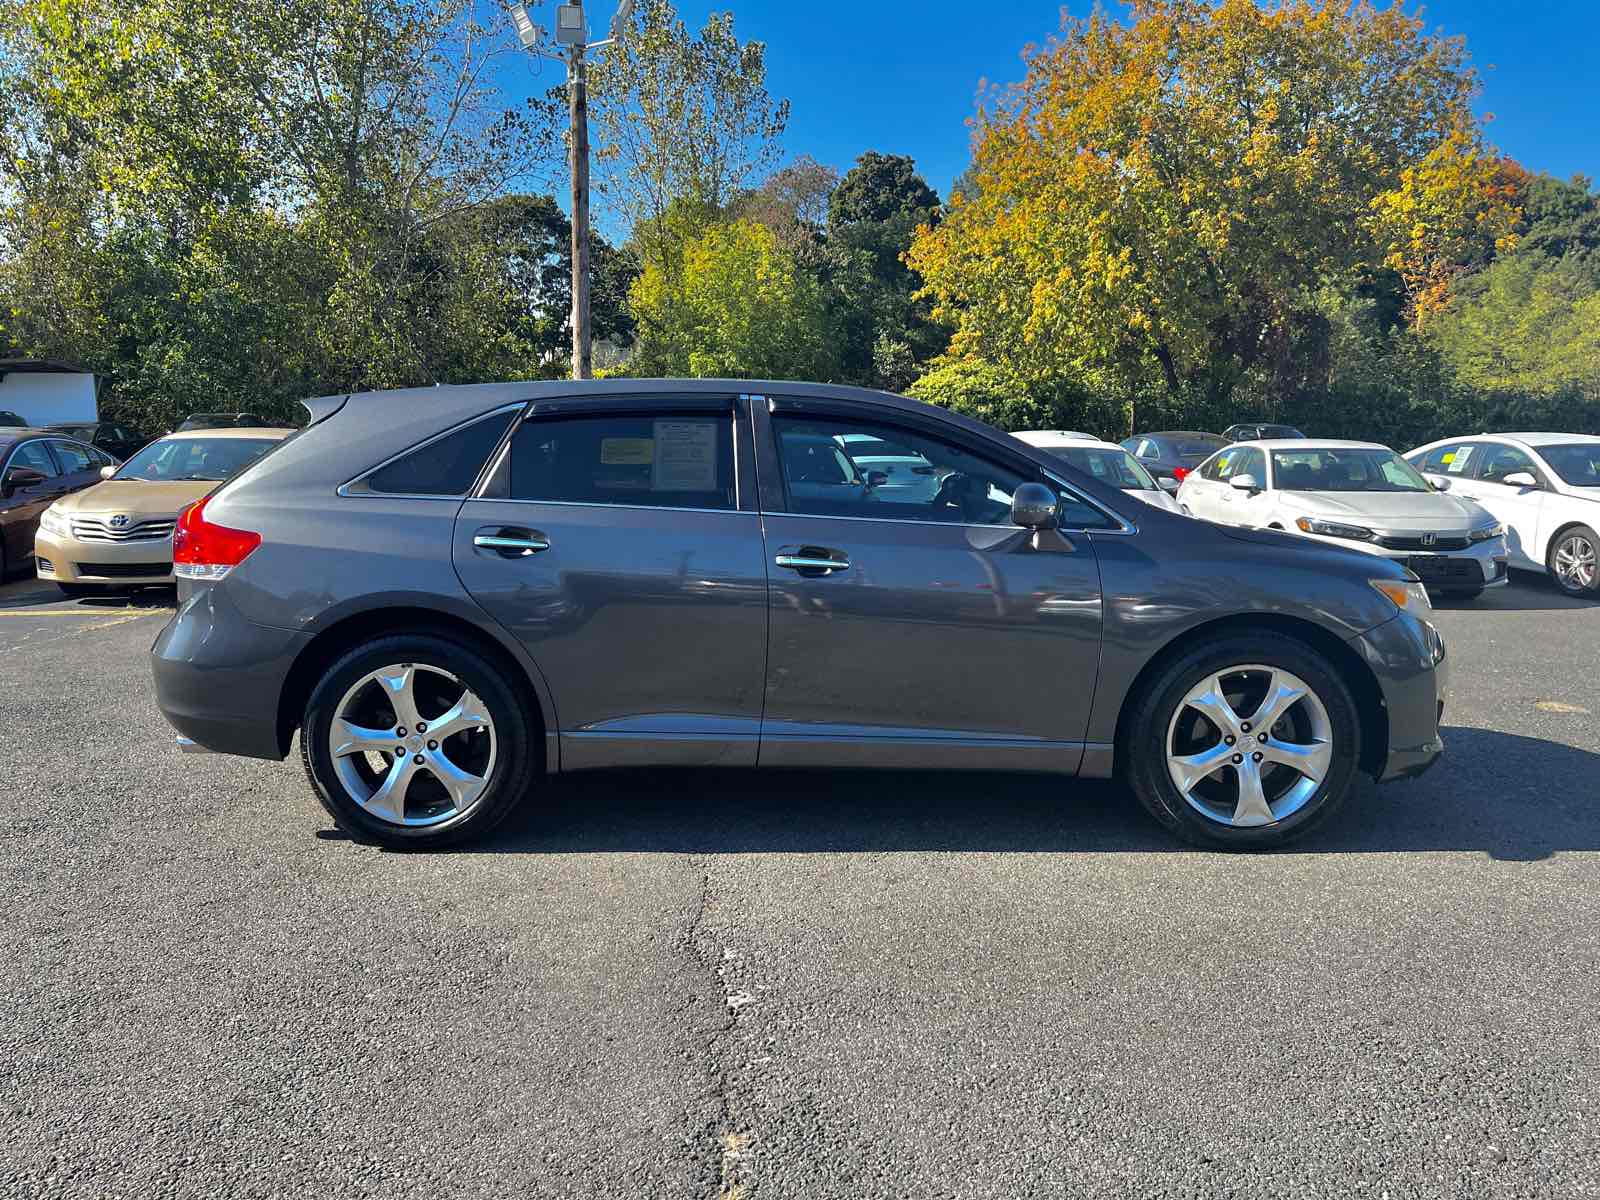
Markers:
<point>1336,529</point>
<point>54,522</point>
<point>1487,532</point>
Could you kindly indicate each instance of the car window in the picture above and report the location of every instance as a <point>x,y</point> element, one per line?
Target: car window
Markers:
<point>1500,461</point>
<point>1197,448</point>
<point>446,466</point>
<point>72,456</point>
<point>1114,468</point>
<point>1254,464</point>
<point>1438,460</point>
<point>34,454</point>
<point>1577,464</point>
<point>667,460</point>
<point>195,458</point>
<point>1220,466</point>
<point>1144,449</point>
<point>1344,469</point>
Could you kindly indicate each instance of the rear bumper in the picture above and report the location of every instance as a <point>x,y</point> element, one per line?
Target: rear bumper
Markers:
<point>219,677</point>
<point>1408,657</point>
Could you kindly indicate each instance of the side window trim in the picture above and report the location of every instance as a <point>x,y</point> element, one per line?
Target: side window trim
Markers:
<point>44,444</point>
<point>357,488</point>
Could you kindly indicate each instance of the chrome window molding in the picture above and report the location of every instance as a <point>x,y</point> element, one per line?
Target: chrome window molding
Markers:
<point>1124,526</point>
<point>352,489</point>
<point>730,512</point>
<point>44,441</point>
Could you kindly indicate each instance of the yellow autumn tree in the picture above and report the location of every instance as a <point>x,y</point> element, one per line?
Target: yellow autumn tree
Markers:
<point>1159,199</point>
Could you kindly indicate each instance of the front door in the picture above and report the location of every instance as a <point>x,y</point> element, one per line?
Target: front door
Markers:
<point>1516,506</point>
<point>20,506</point>
<point>918,630</point>
<point>615,547</point>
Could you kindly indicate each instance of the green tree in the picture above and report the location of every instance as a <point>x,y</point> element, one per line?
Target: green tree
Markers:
<point>739,308</point>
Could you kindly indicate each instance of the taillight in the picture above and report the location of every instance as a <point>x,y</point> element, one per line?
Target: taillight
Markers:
<point>1179,472</point>
<point>202,549</point>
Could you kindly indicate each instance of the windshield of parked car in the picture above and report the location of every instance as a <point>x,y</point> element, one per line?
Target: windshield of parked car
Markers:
<point>1345,470</point>
<point>212,459</point>
<point>1116,468</point>
<point>1198,448</point>
<point>1578,465</point>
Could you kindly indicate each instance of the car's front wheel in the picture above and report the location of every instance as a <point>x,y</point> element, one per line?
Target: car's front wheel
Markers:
<point>416,741</point>
<point>1246,743</point>
<point>1573,561</point>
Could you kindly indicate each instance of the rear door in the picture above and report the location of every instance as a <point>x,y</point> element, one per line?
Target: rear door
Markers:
<point>920,631</point>
<point>618,539</point>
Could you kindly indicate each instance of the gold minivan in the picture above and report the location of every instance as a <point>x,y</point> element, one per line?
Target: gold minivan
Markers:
<point>118,534</point>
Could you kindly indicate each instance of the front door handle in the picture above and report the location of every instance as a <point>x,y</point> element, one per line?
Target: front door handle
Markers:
<point>813,559</point>
<point>511,543</point>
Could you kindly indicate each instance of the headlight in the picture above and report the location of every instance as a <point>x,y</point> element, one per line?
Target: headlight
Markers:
<point>1408,595</point>
<point>1487,532</point>
<point>1357,533</point>
<point>53,522</point>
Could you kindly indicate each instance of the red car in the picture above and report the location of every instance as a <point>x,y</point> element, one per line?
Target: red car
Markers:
<point>38,467</point>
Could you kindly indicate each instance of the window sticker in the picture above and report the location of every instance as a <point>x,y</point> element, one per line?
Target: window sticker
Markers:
<point>627,452</point>
<point>685,457</point>
<point>1459,460</point>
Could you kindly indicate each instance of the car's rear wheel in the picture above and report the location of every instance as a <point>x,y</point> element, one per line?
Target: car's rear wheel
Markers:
<point>1246,743</point>
<point>1573,561</point>
<point>416,741</point>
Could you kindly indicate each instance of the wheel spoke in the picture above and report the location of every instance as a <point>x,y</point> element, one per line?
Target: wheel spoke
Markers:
<point>399,685</point>
<point>1192,768</point>
<point>1210,700</point>
<point>466,713</point>
<point>350,738</point>
<point>1252,808</point>
<point>389,801</point>
<point>1310,759</point>
<point>1280,698</point>
<point>463,786</point>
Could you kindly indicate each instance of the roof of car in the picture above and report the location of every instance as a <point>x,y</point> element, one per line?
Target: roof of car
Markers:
<point>1049,437</point>
<point>1179,433</point>
<point>1546,439</point>
<point>17,433</point>
<point>230,431</point>
<point>1080,444</point>
<point>1311,444</point>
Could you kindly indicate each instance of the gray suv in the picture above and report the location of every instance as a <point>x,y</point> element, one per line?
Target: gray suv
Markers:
<point>454,592</point>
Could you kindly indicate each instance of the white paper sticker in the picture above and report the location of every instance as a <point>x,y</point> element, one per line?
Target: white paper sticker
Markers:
<point>686,457</point>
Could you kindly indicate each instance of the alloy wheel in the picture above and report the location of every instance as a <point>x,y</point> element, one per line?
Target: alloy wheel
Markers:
<point>412,745</point>
<point>1249,745</point>
<point>1575,563</point>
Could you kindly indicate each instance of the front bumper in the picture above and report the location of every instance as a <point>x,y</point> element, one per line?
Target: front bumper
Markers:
<point>1413,670</point>
<point>1479,566</point>
<point>219,677</point>
<point>65,559</point>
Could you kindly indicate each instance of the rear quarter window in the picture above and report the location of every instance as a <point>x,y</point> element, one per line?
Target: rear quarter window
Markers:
<point>446,466</point>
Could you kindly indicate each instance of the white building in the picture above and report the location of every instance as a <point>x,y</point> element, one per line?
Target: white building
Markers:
<point>42,392</point>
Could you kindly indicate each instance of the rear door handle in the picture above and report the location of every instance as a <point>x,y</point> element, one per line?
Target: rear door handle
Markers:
<point>809,559</point>
<point>511,543</point>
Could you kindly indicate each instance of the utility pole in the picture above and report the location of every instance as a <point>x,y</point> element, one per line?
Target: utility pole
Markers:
<point>572,31</point>
<point>578,104</point>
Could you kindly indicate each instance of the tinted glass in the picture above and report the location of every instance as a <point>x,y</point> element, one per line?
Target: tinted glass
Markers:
<point>34,454</point>
<point>1191,448</point>
<point>1116,468</point>
<point>1578,465</point>
<point>447,466</point>
<point>667,460</point>
<point>1500,461</point>
<point>1438,460</point>
<point>73,457</point>
<point>1345,470</point>
<point>1280,431</point>
<point>199,458</point>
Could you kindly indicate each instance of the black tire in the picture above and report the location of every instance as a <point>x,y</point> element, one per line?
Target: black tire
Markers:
<point>1584,534</point>
<point>517,746</point>
<point>1143,752</point>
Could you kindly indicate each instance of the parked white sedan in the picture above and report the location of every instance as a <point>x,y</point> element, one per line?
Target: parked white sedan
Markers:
<point>1543,487</point>
<point>1105,461</point>
<point>1356,494</point>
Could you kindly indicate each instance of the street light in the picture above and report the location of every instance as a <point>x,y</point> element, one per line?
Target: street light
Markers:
<point>527,31</point>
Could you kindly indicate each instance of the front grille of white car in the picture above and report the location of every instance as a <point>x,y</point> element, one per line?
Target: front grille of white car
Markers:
<point>97,529</point>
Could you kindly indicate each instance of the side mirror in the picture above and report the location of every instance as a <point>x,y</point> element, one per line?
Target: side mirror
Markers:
<point>1168,483</point>
<point>1244,483</point>
<point>1441,483</point>
<point>21,477</point>
<point>1520,479</point>
<point>107,472</point>
<point>1033,506</point>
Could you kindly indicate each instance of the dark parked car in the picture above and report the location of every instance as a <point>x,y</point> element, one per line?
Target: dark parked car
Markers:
<point>452,592</point>
<point>37,467</point>
<point>1171,455</point>
<point>1260,432</point>
<point>119,441</point>
<point>9,419</point>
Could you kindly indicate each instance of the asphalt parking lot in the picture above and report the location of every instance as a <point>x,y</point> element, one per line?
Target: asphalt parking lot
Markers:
<point>824,985</point>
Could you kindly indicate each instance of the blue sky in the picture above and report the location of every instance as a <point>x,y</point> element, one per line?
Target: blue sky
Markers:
<point>901,77</point>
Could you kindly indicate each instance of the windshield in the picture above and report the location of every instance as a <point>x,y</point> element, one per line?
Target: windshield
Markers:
<point>1578,465</point>
<point>1345,470</point>
<point>212,459</point>
<point>1117,468</point>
